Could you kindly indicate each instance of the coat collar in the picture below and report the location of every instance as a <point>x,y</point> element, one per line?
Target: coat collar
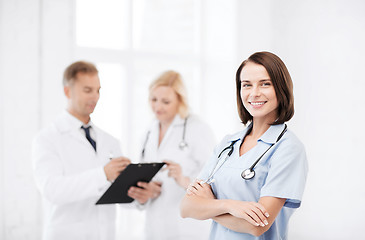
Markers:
<point>67,122</point>
<point>177,121</point>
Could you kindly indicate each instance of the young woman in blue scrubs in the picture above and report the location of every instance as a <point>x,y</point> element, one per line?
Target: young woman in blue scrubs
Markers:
<point>257,207</point>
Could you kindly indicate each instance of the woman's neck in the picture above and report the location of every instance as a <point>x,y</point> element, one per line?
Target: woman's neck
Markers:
<point>259,127</point>
<point>258,130</point>
<point>163,129</point>
<point>164,126</point>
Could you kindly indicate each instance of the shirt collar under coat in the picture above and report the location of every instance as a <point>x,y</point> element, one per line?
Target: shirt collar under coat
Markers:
<point>68,122</point>
<point>176,122</point>
<point>270,136</point>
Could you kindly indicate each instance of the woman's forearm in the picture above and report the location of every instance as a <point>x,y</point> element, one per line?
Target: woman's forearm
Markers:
<point>201,208</point>
<point>272,205</point>
<point>236,224</point>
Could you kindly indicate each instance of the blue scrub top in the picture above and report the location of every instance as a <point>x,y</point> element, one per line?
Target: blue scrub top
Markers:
<point>281,173</point>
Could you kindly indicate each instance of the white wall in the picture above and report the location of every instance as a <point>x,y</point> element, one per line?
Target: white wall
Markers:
<point>320,41</point>
<point>2,218</point>
<point>20,45</point>
<point>31,66</point>
<point>56,54</point>
<point>323,44</point>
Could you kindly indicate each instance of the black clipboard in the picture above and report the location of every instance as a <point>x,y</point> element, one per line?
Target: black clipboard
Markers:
<point>133,173</point>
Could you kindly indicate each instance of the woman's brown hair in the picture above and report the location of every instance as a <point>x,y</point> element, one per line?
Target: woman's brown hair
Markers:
<point>281,80</point>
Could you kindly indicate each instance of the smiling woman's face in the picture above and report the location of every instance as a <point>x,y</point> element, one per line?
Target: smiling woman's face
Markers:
<point>164,103</point>
<point>257,92</point>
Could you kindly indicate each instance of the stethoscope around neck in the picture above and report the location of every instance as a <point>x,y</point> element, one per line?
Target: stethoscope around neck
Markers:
<point>182,145</point>
<point>248,173</point>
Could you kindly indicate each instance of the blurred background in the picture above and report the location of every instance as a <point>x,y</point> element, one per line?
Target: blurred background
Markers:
<point>133,41</point>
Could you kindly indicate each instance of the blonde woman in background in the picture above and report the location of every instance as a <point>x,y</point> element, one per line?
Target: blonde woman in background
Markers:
<point>184,143</point>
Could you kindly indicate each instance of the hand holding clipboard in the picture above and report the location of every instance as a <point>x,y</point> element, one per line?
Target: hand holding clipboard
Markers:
<point>145,191</point>
<point>132,174</point>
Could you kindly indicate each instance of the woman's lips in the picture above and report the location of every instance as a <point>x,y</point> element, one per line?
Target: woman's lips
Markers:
<point>257,104</point>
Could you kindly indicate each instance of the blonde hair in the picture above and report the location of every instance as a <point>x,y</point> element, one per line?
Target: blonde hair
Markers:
<point>173,79</point>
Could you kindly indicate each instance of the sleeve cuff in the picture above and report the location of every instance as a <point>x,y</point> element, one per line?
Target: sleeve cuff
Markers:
<point>141,206</point>
<point>101,180</point>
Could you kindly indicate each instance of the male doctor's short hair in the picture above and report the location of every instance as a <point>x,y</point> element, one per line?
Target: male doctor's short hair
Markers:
<point>174,80</point>
<point>70,74</point>
<point>281,80</point>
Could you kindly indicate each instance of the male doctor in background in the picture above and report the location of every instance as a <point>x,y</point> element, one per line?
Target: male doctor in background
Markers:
<point>72,167</point>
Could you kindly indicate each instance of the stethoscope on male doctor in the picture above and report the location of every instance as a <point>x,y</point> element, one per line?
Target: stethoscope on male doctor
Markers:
<point>248,173</point>
<point>182,145</point>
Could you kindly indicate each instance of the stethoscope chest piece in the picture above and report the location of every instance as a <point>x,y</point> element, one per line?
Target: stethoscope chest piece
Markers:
<point>183,145</point>
<point>248,174</point>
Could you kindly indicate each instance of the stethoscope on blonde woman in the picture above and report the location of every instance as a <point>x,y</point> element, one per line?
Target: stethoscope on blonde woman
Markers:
<point>182,145</point>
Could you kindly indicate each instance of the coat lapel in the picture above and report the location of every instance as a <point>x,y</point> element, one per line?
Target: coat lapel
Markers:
<point>176,122</point>
<point>67,124</point>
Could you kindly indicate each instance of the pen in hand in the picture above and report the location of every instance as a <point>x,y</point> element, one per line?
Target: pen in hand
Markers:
<point>115,166</point>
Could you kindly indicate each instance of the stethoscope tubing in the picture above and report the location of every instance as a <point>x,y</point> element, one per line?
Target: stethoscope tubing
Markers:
<point>248,173</point>
<point>216,168</point>
<point>182,145</point>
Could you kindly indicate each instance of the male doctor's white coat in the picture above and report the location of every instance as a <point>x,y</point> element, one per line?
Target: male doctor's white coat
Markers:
<point>70,176</point>
<point>163,220</point>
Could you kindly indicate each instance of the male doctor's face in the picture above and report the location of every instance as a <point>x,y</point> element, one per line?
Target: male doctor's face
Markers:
<point>83,95</point>
<point>164,103</point>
